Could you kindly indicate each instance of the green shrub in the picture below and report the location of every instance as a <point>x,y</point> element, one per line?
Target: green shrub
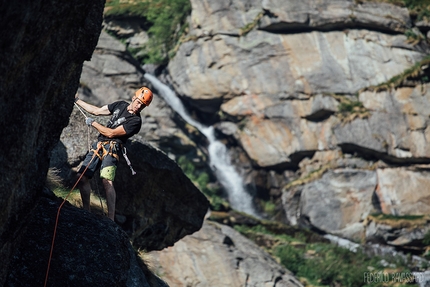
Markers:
<point>269,207</point>
<point>201,179</point>
<point>416,72</point>
<point>291,258</point>
<point>426,239</point>
<point>186,166</point>
<point>166,19</point>
<point>327,264</point>
<point>117,8</point>
<point>321,263</point>
<point>260,229</point>
<point>350,106</point>
<point>417,8</point>
<point>330,265</point>
<point>217,203</point>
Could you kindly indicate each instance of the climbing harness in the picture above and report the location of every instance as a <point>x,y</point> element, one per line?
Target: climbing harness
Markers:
<point>101,146</point>
<point>111,151</point>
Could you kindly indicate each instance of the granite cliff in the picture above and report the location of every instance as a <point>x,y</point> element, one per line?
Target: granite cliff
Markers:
<point>323,105</point>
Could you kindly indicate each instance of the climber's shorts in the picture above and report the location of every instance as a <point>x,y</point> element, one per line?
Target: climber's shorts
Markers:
<point>107,161</point>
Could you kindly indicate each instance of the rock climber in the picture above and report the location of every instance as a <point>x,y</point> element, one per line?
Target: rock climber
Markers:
<point>125,122</point>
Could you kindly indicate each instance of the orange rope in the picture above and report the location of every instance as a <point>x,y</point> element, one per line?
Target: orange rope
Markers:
<point>58,216</point>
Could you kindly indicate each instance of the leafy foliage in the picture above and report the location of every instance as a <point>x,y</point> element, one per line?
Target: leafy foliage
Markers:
<point>321,263</point>
<point>326,264</point>
<point>426,239</point>
<point>118,8</point>
<point>245,30</point>
<point>417,8</point>
<point>414,36</point>
<point>350,108</point>
<point>169,23</point>
<point>166,20</point>
<point>269,207</point>
<point>419,72</point>
<point>201,179</point>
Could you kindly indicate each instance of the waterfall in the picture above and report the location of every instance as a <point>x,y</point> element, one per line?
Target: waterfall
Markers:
<point>219,158</point>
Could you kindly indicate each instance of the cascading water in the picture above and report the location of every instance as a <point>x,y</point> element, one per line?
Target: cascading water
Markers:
<point>232,182</point>
<point>218,153</point>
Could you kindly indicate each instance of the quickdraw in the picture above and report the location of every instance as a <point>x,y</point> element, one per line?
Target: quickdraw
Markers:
<point>124,153</point>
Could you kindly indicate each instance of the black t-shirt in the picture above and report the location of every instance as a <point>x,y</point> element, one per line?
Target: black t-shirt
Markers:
<point>120,116</point>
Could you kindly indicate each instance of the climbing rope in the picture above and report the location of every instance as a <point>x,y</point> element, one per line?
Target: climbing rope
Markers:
<point>65,199</point>
<point>88,130</point>
<point>100,197</point>
<point>89,148</point>
<point>58,216</point>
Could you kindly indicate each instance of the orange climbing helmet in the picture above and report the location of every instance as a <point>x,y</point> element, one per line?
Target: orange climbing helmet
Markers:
<point>144,95</point>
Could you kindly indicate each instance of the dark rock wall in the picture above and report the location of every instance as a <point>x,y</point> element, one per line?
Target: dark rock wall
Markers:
<point>160,203</point>
<point>42,45</point>
<point>82,251</point>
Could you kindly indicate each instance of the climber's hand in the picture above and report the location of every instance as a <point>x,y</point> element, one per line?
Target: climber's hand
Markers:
<point>89,121</point>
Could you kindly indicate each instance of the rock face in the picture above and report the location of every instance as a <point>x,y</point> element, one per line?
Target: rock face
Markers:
<point>290,63</point>
<point>160,203</point>
<point>295,88</point>
<point>278,79</point>
<point>347,193</point>
<point>330,15</point>
<point>82,253</point>
<point>217,255</point>
<point>406,234</point>
<point>43,46</point>
<point>394,185</point>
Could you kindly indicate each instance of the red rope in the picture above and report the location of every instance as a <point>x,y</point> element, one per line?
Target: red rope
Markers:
<point>58,216</point>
